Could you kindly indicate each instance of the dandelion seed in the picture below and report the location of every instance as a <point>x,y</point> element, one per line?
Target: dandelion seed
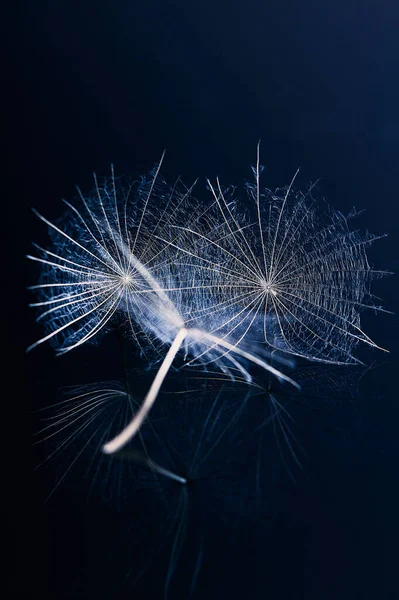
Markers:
<point>293,269</point>
<point>86,281</point>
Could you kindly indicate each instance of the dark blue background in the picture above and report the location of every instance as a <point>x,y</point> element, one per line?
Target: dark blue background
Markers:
<point>87,83</point>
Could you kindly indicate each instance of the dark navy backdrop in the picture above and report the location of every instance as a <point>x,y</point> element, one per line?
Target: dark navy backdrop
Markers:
<point>90,83</point>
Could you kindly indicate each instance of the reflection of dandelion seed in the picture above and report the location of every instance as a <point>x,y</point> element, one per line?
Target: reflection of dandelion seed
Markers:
<point>301,270</point>
<point>178,477</point>
<point>87,416</point>
<point>287,411</point>
<point>202,472</point>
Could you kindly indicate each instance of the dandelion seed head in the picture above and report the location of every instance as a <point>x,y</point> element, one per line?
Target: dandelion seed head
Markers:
<point>127,280</point>
<point>268,287</point>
